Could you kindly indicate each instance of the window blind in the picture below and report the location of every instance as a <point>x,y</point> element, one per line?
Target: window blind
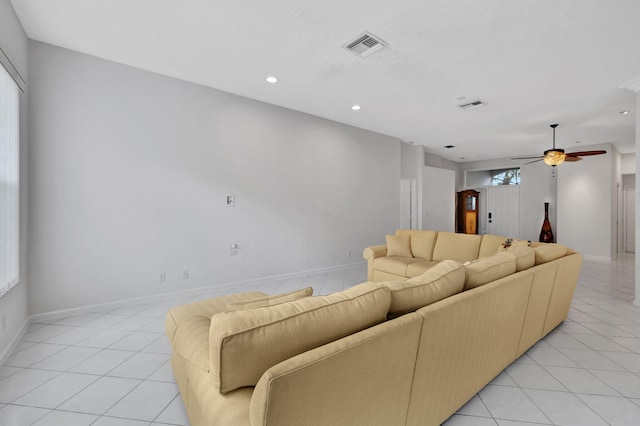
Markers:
<point>9,182</point>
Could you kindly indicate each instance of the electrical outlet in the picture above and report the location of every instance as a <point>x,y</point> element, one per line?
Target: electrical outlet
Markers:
<point>163,277</point>
<point>185,274</point>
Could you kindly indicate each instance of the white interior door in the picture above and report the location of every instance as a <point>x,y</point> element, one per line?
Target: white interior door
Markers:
<point>503,210</point>
<point>630,218</point>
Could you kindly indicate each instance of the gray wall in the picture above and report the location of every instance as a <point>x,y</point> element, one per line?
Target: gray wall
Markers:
<point>13,305</point>
<point>130,171</point>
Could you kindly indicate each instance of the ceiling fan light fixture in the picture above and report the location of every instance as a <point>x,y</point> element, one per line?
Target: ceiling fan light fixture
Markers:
<point>553,157</point>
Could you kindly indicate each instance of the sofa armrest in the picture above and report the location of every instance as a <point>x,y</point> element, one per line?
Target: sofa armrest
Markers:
<point>370,254</point>
<point>374,251</point>
<point>371,368</point>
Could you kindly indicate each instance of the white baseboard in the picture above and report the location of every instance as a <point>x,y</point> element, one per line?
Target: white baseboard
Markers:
<point>602,259</point>
<point>236,286</point>
<point>4,355</point>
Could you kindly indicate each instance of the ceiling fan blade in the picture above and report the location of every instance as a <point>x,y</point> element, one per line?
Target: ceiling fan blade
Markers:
<point>534,161</point>
<point>529,158</point>
<point>571,158</point>
<point>585,153</point>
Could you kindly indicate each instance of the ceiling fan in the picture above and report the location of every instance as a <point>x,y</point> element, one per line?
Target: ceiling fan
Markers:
<point>555,156</point>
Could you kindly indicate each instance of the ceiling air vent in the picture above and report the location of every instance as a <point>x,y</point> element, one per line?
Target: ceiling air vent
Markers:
<point>472,105</point>
<point>365,45</point>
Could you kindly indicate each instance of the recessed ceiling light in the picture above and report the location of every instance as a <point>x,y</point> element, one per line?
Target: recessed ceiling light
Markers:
<point>449,146</point>
<point>578,142</point>
<point>625,112</point>
<point>272,79</point>
<point>355,107</point>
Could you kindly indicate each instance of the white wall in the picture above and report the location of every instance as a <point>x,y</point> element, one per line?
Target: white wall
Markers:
<point>130,171</point>
<point>628,164</point>
<point>13,304</point>
<point>439,198</point>
<point>433,160</point>
<point>585,203</point>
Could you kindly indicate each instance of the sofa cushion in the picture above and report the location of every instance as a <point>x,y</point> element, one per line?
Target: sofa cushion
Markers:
<point>191,341</point>
<point>441,281</point>
<point>394,265</point>
<point>399,245</point>
<point>261,302</point>
<point>460,247</point>
<point>525,256</point>
<point>489,269</point>
<point>422,242</point>
<point>512,242</point>
<point>548,252</point>
<point>490,245</point>
<point>244,344</point>
<point>415,269</point>
<point>187,326</point>
<point>206,308</point>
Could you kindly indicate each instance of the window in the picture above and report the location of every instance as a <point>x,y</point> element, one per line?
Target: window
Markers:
<point>9,182</point>
<point>505,177</point>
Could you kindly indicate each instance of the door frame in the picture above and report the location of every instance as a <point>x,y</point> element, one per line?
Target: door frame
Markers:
<point>626,218</point>
<point>413,201</point>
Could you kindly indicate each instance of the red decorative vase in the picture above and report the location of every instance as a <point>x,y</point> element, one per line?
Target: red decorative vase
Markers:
<point>546,234</point>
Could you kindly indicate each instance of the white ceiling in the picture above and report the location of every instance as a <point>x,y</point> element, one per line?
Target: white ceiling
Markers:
<point>533,62</point>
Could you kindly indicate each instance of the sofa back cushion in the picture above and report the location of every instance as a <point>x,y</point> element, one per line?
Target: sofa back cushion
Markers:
<point>460,247</point>
<point>548,252</point>
<point>422,242</point>
<point>441,281</point>
<point>244,344</point>
<point>490,245</point>
<point>261,302</point>
<point>488,269</point>
<point>399,245</point>
<point>525,256</point>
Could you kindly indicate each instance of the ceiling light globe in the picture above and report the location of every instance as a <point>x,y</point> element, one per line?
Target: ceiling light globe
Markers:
<point>553,158</point>
<point>272,79</point>
<point>355,107</point>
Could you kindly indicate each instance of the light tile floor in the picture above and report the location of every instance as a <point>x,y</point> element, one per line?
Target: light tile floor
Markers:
<point>111,367</point>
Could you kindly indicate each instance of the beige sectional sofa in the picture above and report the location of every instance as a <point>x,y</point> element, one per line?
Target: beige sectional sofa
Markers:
<point>397,352</point>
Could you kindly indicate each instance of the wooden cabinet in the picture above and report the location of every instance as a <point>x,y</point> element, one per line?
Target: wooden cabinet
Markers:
<point>467,212</point>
